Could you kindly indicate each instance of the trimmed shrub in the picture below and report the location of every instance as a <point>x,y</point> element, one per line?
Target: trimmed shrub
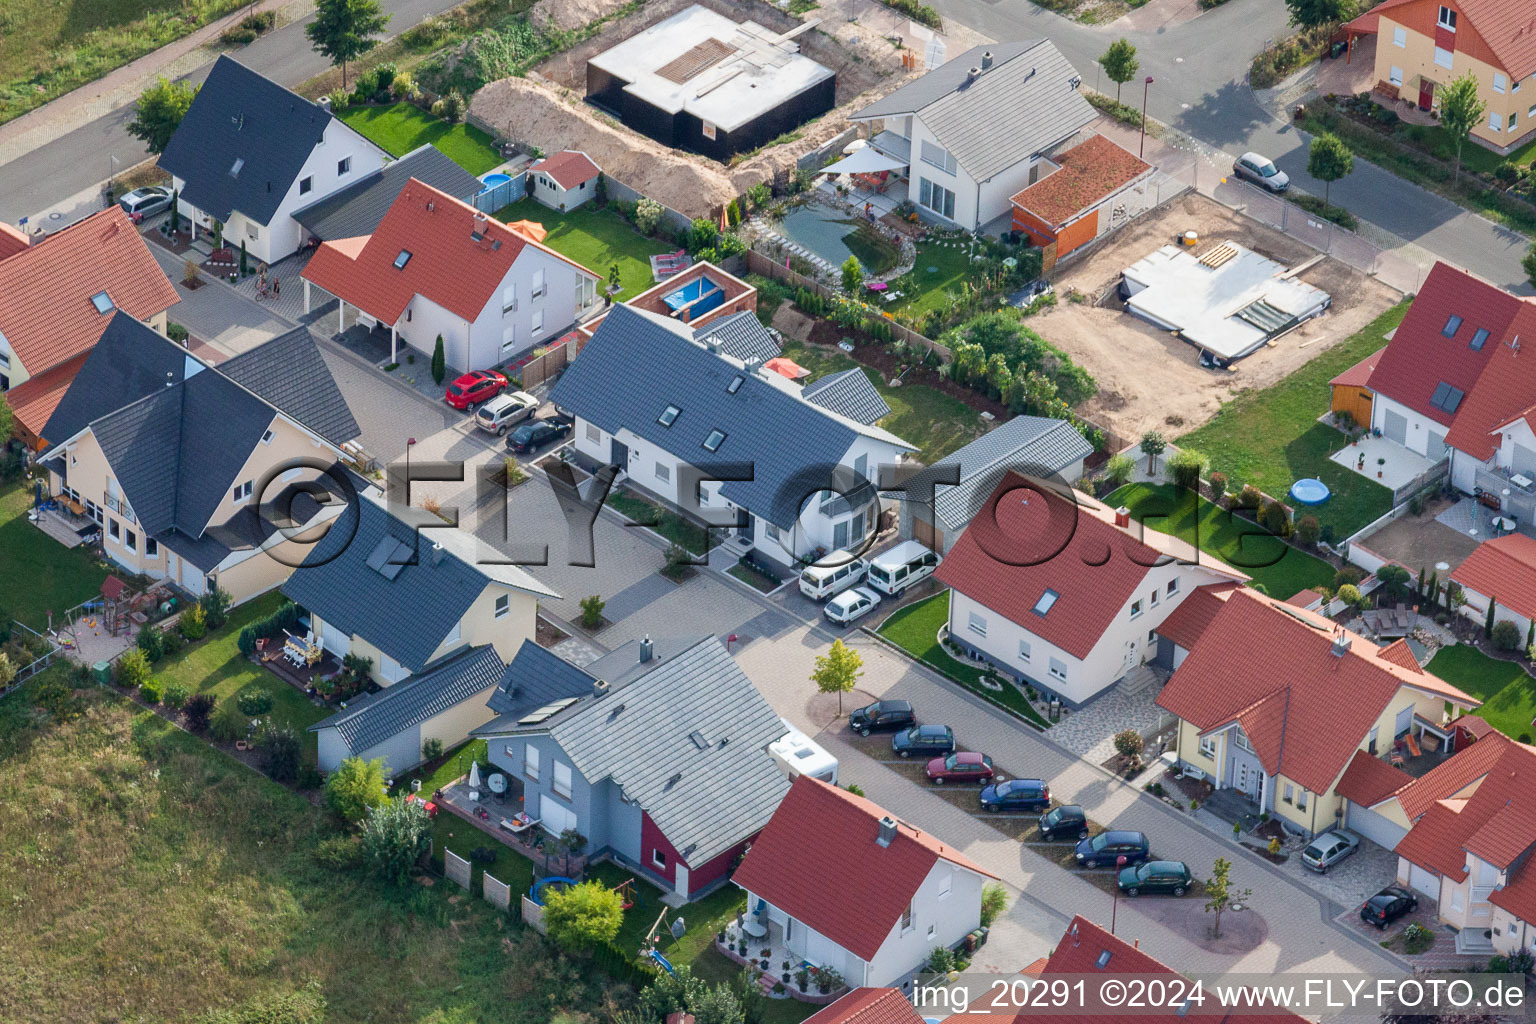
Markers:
<point>592,611</point>
<point>176,695</point>
<point>1274,518</point>
<point>1308,530</point>
<point>254,701</point>
<point>1506,635</point>
<point>281,754</point>
<point>228,723</point>
<point>149,691</point>
<point>1248,497</point>
<point>1218,482</point>
<point>193,623</point>
<point>1349,594</point>
<point>132,669</point>
<point>198,711</point>
<point>1186,466</point>
<point>151,643</point>
<point>431,749</point>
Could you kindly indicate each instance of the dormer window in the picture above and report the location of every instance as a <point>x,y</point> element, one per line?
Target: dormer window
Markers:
<point>1479,339</point>
<point>234,170</point>
<point>668,415</point>
<point>1047,600</point>
<point>103,303</point>
<point>1451,326</point>
<point>402,259</point>
<point>735,385</point>
<point>715,439</point>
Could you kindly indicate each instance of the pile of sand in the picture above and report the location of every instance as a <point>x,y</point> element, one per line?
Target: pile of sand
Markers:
<point>570,15</point>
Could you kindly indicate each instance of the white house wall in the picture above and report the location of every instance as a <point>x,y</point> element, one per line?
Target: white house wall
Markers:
<point>936,921</point>
<point>427,321</point>
<point>960,183</point>
<point>1419,431</point>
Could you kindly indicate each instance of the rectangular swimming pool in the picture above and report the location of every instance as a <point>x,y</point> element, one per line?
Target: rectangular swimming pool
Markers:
<point>699,295</point>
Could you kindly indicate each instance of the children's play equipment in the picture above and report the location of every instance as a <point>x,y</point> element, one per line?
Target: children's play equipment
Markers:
<point>537,892</point>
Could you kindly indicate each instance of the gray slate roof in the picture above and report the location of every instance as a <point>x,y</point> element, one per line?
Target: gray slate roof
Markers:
<point>740,336</point>
<point>849,393</point>
<point>637,364</point>
<point>1035,445</point>
<point>379,716</point>
<point>1024,104</point>
<point>290,373</point>
<point>357,209</point>
<point>128,362</point>
<point>704,800</point>
<point>241,115</point>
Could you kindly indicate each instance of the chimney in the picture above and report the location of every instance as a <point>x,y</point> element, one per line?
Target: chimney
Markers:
<point>599,687</point>
<point>325,102</point>
<point>1122,516</point>
<point>437,552</point>
<point>986,61</point>
<point>1340,643</point>
<point>973,74</point>
<point>887,831</point>
<point>647,649</point>
<point>430,207</point>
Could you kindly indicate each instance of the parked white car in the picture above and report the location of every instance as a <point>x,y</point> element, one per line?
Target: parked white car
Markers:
<point>851,604</point>
<point>505,411</point>
<point>1328,849</point>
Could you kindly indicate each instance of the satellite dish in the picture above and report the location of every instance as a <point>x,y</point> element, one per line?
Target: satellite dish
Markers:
<point>497,782</point>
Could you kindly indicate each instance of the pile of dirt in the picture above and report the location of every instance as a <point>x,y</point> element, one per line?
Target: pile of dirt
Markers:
<point>570,15</point>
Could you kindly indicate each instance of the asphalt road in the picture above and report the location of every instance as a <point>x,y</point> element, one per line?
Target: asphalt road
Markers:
<point>81,159</point>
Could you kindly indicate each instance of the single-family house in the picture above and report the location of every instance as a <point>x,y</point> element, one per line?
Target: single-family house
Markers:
<point>1501,570</point>
<point>1062,592</point>
<point>792,477</point>
<point>980,128</point>
<point>563,181</point>
<point>57,297</point>
<point>1424,45</point>
<point>935,513</point>
<point>185,466</point>
<point>436,267</point>
<point>1275,701</point>
<point>657,754</point>
<point>399,587</point>
<point>703,294</point>
<point>869,1006</point>
<point>840,882</point>
<point>249,153</point>
<point>357,209</point>
<point>1090,190</point>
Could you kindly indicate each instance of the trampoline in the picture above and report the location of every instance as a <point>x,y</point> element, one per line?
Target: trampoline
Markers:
<point>1310,491</point>
<point>536,893</point>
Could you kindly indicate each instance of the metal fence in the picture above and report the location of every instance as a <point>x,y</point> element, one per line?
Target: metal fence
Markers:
<point>32,668</point>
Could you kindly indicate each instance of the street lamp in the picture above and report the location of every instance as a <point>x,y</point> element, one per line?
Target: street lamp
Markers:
<point>1119,863</point>
<point>111,173</point>
<point>1146,86</point>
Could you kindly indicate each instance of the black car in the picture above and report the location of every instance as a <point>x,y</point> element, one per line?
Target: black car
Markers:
<point>1106,849</point>
<point>1065,822</point>
<point>537,433</point>
<point>928,740</point>
<point>883,716</point>
<point>1016,795</point>
<point>1170,876</point>
<point>1388,905</point>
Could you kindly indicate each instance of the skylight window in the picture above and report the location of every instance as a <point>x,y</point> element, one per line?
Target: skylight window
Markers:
<point>1451,326</point>
<point>1446,397</point>
<point>103,303</point>
<point>736,384</point>
<point>1103,960</point>
<point>234,171</point>
<point>1479,339</point>
<point>714,440</point>
<point>1047,600</point>
<point>668,415</point>
<point>402,259</point>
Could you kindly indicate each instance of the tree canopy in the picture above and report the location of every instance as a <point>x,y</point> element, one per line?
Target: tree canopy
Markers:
<point>583,917</point>
<point>1120,63</point>
<point>1328,160</point>
<point>344,30</point>
<point>1461,110</point>
<point>837,671</point>
<point>1312,13</point>
<point>159,111</point>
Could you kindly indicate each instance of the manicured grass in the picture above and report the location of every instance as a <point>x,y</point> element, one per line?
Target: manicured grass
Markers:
<point>597,239</point>
<point>1270,438</point>
<point>669,524</point>
<point>915,629</point>
<point>639,917</point>
<point>937,423</point>
<point>924,290</point>
<point>1507,690</point>
<point>754,577</point>
<point>1241,543</point>
<point>41,574</point>
<point>398,128</point>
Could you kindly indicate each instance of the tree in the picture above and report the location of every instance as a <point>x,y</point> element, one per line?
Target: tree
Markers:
<point>681,991</point>
<point>158,112</point>
<point>1328,160</point>
<point>281,754</point>
<point>1460,111</point>
<point>1394,581</point>
<point>1118,470</point>
<point>853,274</point>
<point>592,611</point>
<point>439,361</point>
<point>343,30</point>
<point>994,900</point>
<point>355,788</point>
<point>1488,621</point>
<point>1528,264</point>
<point>837,671</point>
<point>1187,467</point>
<point>1308,530</point>
<point>1312,13</point>
<point>395,835</point>
<point>1152,445</point>
<point>1120,64</point>
<point>1129,744</point>
<point>7,419</point>
<point>1219,893</point>
<point>198,710</point>
<point>7,670</point>
<point>133,669</point>
<point>583,917</point>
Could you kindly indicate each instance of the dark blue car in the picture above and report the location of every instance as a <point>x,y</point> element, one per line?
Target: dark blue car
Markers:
<point>927,740</point>
<point>1106,849</point>
<point>1017,795</point>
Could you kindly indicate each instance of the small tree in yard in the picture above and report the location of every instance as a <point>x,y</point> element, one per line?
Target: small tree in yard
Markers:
<point>132,669</point>
<point>1187,466</point>
<point>1312,13</point>
<point>853,274</point>
<point>1152,445</point>
<point>994,900</point>
<point>7,670</point>
<point>1308,530</point>
<point>1460,111</point>
<point>592,611</point>
<point>1394,581</point>
<point>343,30</point>
<point>647,214</point>
<point>583,917</point>
<point>1120,64</point>
<point>1129,744</point>
<point>198,710</point>
<point>1488,620</point>
<point>439,361</point>
<point>1118,470</point>
<point>1328,160</point>
<point>281,754</point>
<point>244,260</point>
<point>355,788</point>
<point>395,835</point>
<point>1528,264</point>
<point>1219,893</point>
<point>1506,635</point>
<point>837,671</point>
<point>159,112</point>
<point>1218,482</point>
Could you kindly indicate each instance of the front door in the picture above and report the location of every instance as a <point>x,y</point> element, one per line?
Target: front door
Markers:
<point>1426,94</point>
<point>620,455</point>
<point>680,879</point>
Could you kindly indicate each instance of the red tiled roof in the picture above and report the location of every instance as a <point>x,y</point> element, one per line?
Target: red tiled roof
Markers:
<point>1399,653</point>
<point>447,265</point>
<point>1090,173</point>
<point>818,860</point>
<point>1504,391</point>
<point>1068,545</point>
<point>45,290</point>
<point>12,241</point>
<point>1519,896</point>
<point>1304,598</point>
<point>34,399</point>
<point>1186,622</point>
<point>1506,26</point>
<point>1420,357</point>
<point>1271,668</point>
<point>1360,373</point>
<point>1503,568</point>
<point>568,167</point>
<point>1369,780</point>
<point>1454,774</point>
<point>868,1006</point>
<point>1495,824</point>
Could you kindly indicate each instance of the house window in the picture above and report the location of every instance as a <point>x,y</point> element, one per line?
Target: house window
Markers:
<point>1301,799</point>
<point>243,491</point>
<point>1370,747</point>
<point>402,259</point>
<point>113,530</point>
<point>658,858</point>
<point>668,415</point>
<point>1500,83</point>
<point>252,231</point>
<point>538,284</point>
<point>735,384</point>
<point>343,166</point>
<point>1399,36</point>
<point>1058,669</point>
<point>932,929</point>
<point>1513,117</point>
<point>1395,75</point>
<point>1024,650</point>
<point>1290,794</point>
<point>536,327</point>
<point>945,883</point>
<point>663,472</point>
<point>936,198</point>
<point>508,339</point>
<point>305,184</point>
<point>1495,123</point>
<point>861,466</point>
<point>1447,18</point>
<point>151,548</point>
<point>1173,586</point>
<point>1446,397</point>
<point>1154,597</point>
<point>594,434</point>
<point>1047,599</point>
<point>1208,747</point>
<point>938,156</point>
<point>266,438</point>
<point>103,302</point>
<point>1451,327</point>
<point>1480,336</point>
<point>715,439</point>
<point>1444,58</point>
<point>131,540</point>
<point>531,761</point>
<point>906,919</point>
<point>509,299</point>
<point>503,606</point>
<point>772,532</point>
<point>93,510</point>
<point>1151,636</point>
<point>561,780</point>
<point>976,624</point>
<point>1135,608</point>
<point>1242,740</point>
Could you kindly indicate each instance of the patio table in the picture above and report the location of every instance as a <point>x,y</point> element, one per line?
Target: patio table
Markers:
<point>753,927</point>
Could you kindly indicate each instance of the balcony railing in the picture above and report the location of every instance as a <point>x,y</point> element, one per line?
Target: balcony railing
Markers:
<point>118,506</point>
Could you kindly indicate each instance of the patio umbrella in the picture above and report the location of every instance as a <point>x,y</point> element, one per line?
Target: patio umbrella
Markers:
<point>529,229</point>
<point>864,161</point>
<point>474,775</point>
<point>854,146</point>
<point>787,367</point>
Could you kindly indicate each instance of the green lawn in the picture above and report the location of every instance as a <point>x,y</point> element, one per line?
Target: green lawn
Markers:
<point>41,575</point>
<point>670,525</point>
<point>1240,543</point>
<point>939,270</point>
<point>915,629</point>
<point>1507,690</point>
<point>398,128</point>
<point>1271,438</point>
<point>937,423</point>
<point>597,239</point>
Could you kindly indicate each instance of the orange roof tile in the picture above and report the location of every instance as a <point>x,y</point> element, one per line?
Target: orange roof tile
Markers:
<point>1369,780</point>
<point>868,1006</point>
<point>1519,896</point>
<point>34,399</point>
<point>1090,173</point>
<point>1186,622</point>
<point>568,167</point>
<point>46,312</point>
<point>12,240</point>
<point>1496,823</point>
<point>1399,653</point>
<point>1304,598</point>
<point>1503,392</point>
<point>1506,26</point>
<point>1503,568</point>
<point>1360,373</point>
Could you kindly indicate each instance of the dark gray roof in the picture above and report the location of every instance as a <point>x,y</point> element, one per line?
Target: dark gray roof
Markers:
<point>1025,103</point>
<point>248,528</point>
<point>1034,445</point>
<point>290,373</point>
<point>637,364</point>
<point>740,336</point>
<point>850,393</point>
<point>129,361</point>
<point>404,602</point>
<point>239,115</point>
<point>535,677</point>
<point>379,716</point>
<point>357,209</point>
<point>705,794</point>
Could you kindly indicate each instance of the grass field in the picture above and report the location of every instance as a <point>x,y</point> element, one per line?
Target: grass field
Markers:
<point>1507,690</point>
<point>939,270</point>
<point>398,128</point>
<point>1271,438</point>
<point>41,574</point>
<point>1240,543</point>
<point>597,239</point>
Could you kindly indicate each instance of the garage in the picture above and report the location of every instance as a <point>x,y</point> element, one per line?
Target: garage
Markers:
<point>1424,880</point>
<point>1378,828</point>
<point>1395,427</point>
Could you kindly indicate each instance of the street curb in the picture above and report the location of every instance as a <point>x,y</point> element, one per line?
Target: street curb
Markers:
<point>897,648</point>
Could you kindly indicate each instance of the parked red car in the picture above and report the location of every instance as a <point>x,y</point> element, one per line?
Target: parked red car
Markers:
<point>468,391</point>
<point>963,766</point>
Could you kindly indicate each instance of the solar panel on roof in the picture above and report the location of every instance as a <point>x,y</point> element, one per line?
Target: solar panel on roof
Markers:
<point>380,554</point>
<point>547,711</point>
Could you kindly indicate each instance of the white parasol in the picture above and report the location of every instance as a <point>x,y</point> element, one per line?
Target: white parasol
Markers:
<point>863,161</point>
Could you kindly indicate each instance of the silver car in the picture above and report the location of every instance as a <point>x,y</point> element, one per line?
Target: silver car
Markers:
<point>504,411</point>
<point>850,605</point>
<point>145,202</point>
<point>1261,170</point>
<point>1328,849</point>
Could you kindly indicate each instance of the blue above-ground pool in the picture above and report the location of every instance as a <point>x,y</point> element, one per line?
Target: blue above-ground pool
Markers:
<point>490,181</point>
<point>1310,491</point>
<point>700,296</point>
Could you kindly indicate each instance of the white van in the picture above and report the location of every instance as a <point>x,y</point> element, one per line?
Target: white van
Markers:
<point>902,566</point>
<point>797,754</point>
<point>837,571</point>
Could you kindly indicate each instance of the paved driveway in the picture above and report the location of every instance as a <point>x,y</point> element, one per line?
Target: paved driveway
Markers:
<point>388,413</point>
<point>1352,879</point>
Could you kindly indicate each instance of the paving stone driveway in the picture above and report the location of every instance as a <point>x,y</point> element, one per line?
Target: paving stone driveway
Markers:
<point>1350,881</point>
<point>1090,733</point>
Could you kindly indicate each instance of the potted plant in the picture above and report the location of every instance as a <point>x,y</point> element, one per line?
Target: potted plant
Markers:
<point>803,979</point>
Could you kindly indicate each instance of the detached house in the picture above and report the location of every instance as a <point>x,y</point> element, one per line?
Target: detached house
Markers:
<point>839,882</point>
<point>657,754</point>
<point>58,296</point>
<point>1063,593</point>
<point>669,410</point>
<point>249,153</point>
<point>1501,570</point>
<point>437,267</point>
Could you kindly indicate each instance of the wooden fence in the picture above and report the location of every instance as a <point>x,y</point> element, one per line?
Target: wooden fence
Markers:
<point>456,868</point>
<point>497,893</point>
<point>541,368</point>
